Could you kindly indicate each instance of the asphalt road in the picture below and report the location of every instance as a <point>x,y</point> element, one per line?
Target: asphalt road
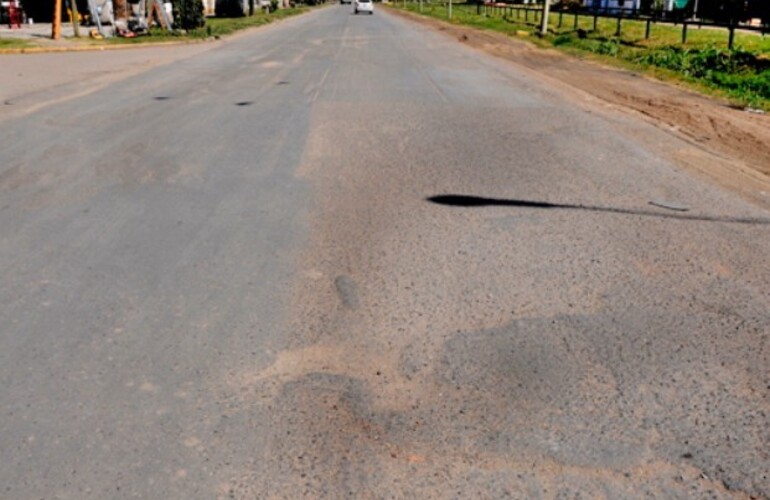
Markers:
<point>223,278</point>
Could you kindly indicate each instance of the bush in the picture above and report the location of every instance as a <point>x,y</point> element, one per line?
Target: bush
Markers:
<point>188,14</point>
<point>230,8</point>
<point>563,39</point>
<point>609,48</point>
<point>699,63</point>
<point>738,72</point>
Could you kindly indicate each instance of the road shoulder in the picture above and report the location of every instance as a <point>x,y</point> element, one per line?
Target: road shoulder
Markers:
<point>37,80</point>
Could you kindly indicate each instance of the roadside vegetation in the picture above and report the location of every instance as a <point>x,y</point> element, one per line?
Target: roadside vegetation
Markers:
<point>12,43</point>
<point>741,74</point>
<point>198,28</point>
<point>215,27</point>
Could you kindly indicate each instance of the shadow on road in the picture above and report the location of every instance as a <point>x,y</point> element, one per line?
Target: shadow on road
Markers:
<point>458,200</point>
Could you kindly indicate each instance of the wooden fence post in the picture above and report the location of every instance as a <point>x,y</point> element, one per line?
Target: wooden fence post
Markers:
<point>647,29</point>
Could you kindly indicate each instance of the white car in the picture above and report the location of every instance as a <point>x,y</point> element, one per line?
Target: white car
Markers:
<point>363,6</point>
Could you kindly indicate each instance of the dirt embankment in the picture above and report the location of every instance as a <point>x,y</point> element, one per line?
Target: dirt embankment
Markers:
<point>729,145</point>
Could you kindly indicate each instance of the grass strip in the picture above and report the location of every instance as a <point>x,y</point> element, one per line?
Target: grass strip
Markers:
<point>742,74</point>
<point>13,43</point>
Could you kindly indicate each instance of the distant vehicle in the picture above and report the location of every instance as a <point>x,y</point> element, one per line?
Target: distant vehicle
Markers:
<point>363,6</point>
<point>343,2</point>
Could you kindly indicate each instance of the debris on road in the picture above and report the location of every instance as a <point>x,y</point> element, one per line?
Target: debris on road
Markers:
<point>670,206</point>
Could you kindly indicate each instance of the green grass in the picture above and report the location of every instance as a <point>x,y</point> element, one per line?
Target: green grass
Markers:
<point>742,74</point>
<point>12,43</point>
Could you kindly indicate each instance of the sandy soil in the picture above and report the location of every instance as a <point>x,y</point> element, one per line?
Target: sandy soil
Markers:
<point>730,146</point>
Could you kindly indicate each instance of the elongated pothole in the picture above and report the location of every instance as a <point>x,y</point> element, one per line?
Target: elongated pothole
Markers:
<point>347,290</point>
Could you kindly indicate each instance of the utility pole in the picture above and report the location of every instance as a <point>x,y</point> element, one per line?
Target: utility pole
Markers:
<point>75,17</point>
<point>450,9</point>
<point>56,27</point>
<point>546,13</point>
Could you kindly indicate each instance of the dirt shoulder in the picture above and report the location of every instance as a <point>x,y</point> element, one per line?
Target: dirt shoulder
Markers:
<point>728,145</point>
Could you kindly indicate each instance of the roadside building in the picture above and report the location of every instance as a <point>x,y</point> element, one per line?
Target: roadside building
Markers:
<point>613,5</point>
<point>637,5</point>
<point>676,4</point>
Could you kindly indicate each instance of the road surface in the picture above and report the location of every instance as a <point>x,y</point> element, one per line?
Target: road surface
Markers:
<point>345,256</point>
